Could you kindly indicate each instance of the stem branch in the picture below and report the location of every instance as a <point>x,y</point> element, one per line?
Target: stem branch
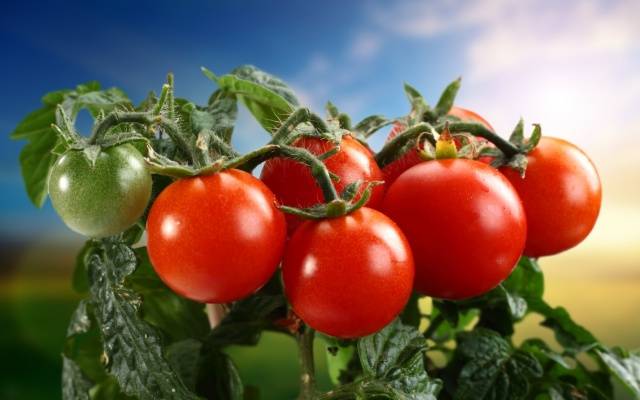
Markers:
<point>480,130</point>
<point>391,151</point>
<point>319,171</point>
<point>307,367</point>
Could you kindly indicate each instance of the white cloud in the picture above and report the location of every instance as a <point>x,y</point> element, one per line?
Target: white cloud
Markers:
<point>365,46</point>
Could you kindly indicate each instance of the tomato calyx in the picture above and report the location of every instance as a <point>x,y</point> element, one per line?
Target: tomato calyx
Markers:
<point>446,146</point>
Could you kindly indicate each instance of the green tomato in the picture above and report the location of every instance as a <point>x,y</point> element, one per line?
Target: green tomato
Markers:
<point>102,199</point>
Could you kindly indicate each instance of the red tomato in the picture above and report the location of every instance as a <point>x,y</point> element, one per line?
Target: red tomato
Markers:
<point>348,276</point>
<point>393,170</point>
<point>561,194</point>
<point>293,184</point>
<point>216,238</point>
<point>465,224</point>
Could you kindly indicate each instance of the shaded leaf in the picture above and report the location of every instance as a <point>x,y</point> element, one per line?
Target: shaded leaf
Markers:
<point>132,347</point>
<point>493,369</point>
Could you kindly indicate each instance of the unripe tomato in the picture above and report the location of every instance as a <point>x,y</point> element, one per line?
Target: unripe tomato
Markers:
<point>102,199</point>
<point>293,184</point>
<point>348,276</point>
<point>216,238</point>
<point>393,170</point>
<point>561,194</point>
<point>465,224</point>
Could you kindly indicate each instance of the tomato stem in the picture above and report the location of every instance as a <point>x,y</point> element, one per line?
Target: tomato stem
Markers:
<point>319,171</point>
<point>307,367</point>
<point>170,96</point>
<point>296,118</point>
<point>162,99</point>
<point>480,130</point>
<point>147,119</point>
<point>394,148</point>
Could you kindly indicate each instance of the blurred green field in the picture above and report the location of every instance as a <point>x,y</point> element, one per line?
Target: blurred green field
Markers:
<point>36,302</point>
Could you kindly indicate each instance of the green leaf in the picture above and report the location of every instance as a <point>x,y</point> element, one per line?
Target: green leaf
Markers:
<point>625,366</point>
<point>89,96</point>
<point>371,124</point>
<point>247,318</point>
<point>223,110</point>
<point>493,369</point>
<point>131,346</point>
<point>572,336</point>
<point>177,317</point>
<point>184,357</point>
<point>418,105</point>
<point>219,378</point>
<point>75,385</point>
<point>394,357</point>
<point>37,157</point>
<point>108,390</point>
<point>210,372</point>
<point>447,98</point>
<point>268,98</point>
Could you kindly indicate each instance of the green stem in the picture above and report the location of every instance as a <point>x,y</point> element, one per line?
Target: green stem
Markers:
<point>307,367</point>
<point>480,130</point>
<point>296,118</point>
<point>171,97</point>
<point>392,150</point>
<point>162,99</point>
<point>319,171</point>
<point>147,119</point>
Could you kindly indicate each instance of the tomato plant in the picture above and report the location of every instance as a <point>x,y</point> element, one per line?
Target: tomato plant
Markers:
<point>293,184</point>
<point>216,238</point>
<point>561,194</point>
<point>103,196</point>
<point>465,223</point>
<point>450,234</point>
<point>324,259</point>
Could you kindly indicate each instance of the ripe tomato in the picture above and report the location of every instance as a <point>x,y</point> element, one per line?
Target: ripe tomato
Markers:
<point>293,184</point>
<point>465,224</point>
<point>102,199</point>
<point>393,170</point>
<point>216,238</point>
<point>348,276</point>
<point>561,194</point>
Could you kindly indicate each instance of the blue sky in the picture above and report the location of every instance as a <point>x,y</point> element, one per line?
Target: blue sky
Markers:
<point>573,66</point>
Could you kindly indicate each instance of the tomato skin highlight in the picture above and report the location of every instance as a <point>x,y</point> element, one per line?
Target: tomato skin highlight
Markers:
<point>293,184</point>
<point>561,194</point>
<point>103,199</point>
<point>409,159</point>
<point>349,276</point>
<point>216,238</point>
<point>465,224</point>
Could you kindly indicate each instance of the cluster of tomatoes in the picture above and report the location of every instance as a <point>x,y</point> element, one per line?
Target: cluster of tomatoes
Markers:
<point>448,228</point>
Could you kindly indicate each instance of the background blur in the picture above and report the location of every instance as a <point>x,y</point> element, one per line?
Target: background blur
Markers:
<point>573,66</point>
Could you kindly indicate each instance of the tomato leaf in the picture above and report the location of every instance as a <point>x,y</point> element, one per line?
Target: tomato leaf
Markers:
<point>75,385</point>
<point>493,369</point>
<point>175,316</point>
<point>268,98</point>
<point>129,342</point>
<point>625,366</point>
<point>572,336</point>
<point>247,319</point>
<point>393,358</point>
